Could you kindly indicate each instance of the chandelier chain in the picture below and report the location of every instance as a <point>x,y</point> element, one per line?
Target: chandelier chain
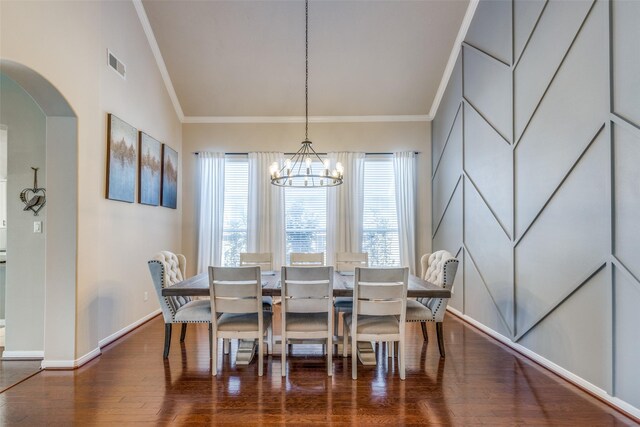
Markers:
<point>306,71</point>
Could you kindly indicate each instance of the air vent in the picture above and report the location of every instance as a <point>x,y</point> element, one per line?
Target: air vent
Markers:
<point>116,65</point>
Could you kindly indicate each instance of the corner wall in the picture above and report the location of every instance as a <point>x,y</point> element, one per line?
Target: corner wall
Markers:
<point>535,184</point>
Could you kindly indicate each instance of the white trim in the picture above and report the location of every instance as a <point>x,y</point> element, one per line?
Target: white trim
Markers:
<point>155,49</point>
<point>301,119</point>
<point>111,338</point>
<point>71,364</point>
<point>22,355</point>
<point>567,375</point>
<point>462,33</point>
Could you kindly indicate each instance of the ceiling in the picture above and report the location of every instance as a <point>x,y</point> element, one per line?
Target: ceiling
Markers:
<point>246,58</point>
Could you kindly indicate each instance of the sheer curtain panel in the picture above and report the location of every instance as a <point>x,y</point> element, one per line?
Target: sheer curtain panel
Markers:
<point>404,167</point>
<point>265,213</point>
<point>211,210</point>
<point>344,206</point>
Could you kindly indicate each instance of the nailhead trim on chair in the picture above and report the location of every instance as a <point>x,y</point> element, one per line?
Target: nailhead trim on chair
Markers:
<point>433,312</point>
<point>166,299</point>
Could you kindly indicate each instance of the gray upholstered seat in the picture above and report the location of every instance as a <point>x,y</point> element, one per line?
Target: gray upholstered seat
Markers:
<point>242,322</point>
<point>343,302</point>
<point>374,324</point>
<point>440,269</point>
<point>166,270</point>
<point>309,322</point>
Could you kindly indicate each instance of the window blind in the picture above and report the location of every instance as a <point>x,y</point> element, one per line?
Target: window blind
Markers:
<point>380,220</point>
<point>306,218</point>
<point>236,190</point>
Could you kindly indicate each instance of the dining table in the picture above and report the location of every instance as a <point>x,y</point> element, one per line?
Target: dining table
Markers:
<point>198,285</point>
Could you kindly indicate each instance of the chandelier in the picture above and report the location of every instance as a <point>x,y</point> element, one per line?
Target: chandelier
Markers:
<point>299,170</point>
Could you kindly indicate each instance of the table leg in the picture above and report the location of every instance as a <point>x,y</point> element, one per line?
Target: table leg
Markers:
<point>246,351</point>
<point>366,354</point>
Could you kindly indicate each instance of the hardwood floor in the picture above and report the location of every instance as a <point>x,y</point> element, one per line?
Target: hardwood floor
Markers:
<point>480,382</point>
<point>14,371</point>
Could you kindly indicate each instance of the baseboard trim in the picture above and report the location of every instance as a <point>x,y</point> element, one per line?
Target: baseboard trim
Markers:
<point>614,402</point>
<point>70,364</point>
<point>22,355</point>
<point>111,338</point>
<point>75,364</point>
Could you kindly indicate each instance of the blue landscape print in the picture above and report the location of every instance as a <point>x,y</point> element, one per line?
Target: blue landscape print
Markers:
<point>121,180</point>
<point>150,170</point>
<point>169,177</point>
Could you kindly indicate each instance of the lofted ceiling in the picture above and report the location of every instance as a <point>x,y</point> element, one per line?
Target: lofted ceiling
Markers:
<point>246,58</point>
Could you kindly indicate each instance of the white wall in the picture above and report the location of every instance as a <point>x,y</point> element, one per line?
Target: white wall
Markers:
<point>365,137</point>
<point>112,273</point>
<point>25,268</point>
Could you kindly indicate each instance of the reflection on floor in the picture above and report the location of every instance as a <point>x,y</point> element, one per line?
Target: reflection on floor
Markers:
<point>479,382</point>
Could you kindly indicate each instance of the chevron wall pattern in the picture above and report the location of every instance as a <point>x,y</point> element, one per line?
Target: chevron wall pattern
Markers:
<point>536,182</point>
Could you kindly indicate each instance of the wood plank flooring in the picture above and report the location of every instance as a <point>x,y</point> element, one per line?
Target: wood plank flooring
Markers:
<point>480,382</point>
<point>14,371</point>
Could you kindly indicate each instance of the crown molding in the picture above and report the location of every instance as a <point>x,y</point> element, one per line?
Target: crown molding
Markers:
<point>462,33</point>
<point>301,119</point>
<point>155,49</point>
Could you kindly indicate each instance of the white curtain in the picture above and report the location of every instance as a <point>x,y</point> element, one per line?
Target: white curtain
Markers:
<point>344,206</point>
<point>265,212</point>
<point>404,167</point>
<point>211,209</point>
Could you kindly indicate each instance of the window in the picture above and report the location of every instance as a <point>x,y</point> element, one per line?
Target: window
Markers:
<point>306,218</point>
<point>236,189</point>
<point>380,221</point>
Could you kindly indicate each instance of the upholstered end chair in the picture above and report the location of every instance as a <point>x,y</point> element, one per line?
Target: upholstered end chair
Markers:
<point>440,269</point>
<point>166,270</point>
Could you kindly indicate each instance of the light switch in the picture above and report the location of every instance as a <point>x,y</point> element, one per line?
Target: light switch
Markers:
<point>37,226</point>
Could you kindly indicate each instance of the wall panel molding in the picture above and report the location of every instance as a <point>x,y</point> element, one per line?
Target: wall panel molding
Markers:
<point>560,111</point>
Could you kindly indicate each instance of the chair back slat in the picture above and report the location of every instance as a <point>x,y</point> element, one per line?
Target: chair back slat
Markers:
<point>308,259</point>
<point>348,261</point>
<point>308,274</point>
<point>314,289</point>
<point>262,260</point>
<point>237,305</point>
<point>370,290</point>
<point>380,308</point>
<point>307,305</point>
<point>235,290</point>
<point>382,275</point>
<point>236,274</point>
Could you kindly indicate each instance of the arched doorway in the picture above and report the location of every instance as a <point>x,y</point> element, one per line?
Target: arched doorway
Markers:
<point>41,266</point>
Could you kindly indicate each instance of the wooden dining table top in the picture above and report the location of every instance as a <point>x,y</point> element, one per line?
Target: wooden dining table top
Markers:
<point>342,286</point>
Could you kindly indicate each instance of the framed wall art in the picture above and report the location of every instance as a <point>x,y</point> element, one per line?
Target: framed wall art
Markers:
<point>169,177</point>
<point>150,170</point>
<point>122,156</point>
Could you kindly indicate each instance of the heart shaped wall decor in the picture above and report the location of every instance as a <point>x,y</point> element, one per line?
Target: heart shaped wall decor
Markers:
<point>34,198</point>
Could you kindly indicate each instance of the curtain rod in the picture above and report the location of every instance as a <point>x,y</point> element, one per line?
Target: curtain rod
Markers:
<point>291,154</point>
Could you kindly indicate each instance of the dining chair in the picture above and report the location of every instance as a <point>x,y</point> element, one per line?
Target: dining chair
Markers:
<point>440,269</point>
<point>307,308</point>
<point>298,259</point>
<point>265,262</point>
<point>236,297</point>
<point>379,311</point>
<point>346,262</point>
<point>166,270</point>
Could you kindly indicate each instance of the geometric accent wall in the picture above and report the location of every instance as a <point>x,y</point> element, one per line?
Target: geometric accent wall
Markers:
<point>536,182</point>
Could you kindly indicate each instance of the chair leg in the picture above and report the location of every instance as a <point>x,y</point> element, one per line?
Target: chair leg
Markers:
<point>210,340</point>
<point>440,334</point>
<point>214,358</point>
<point>345,343</point>
<point>401,358</point>
<point>183,332</point>
<point>354,356</point>
<point>330,355</point>
<point>261,354</point>
<point>283,355</point>
<point>167,339</point>
<point>423,325</point>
